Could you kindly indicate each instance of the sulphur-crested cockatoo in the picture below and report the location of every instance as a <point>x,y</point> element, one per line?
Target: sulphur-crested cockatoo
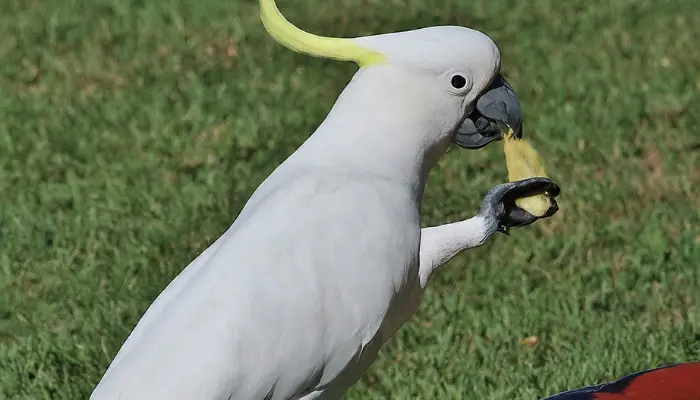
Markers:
<point>327,259</point>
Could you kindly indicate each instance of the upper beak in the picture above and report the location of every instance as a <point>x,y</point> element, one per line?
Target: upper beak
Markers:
<point>497,105</point>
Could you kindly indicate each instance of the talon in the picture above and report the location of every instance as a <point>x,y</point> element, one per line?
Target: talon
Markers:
<point>554,190</point>
<point>553,208</point>
<point>500,202</point>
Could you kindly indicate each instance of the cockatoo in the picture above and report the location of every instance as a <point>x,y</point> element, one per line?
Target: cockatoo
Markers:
<point>327,258</point>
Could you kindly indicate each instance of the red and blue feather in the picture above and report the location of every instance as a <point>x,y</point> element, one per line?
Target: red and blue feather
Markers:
<point>674,382</point>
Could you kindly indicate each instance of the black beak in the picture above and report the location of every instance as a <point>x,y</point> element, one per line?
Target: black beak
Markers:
<point>497,105</point>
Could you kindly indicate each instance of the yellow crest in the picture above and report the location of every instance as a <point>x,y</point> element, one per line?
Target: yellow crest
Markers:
<point>303,42</point>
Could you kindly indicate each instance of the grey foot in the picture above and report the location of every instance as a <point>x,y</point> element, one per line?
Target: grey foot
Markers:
<point>499,203</point>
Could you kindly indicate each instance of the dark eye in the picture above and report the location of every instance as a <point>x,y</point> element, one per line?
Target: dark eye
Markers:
<point>458,81</point>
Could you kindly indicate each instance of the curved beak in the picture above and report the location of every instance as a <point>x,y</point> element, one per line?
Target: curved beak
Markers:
<point>496,106</point>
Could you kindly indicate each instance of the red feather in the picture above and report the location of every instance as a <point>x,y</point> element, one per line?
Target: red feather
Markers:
<point>676,382</point>
<point>679,382</point>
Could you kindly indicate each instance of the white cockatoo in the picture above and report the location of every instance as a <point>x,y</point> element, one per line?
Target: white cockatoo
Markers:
<point>327,259</point>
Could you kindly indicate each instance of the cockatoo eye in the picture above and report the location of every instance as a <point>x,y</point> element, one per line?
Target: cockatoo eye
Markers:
<point>458,81</point>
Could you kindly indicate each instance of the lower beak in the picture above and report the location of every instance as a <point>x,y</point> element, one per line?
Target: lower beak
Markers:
<point>498,105</point>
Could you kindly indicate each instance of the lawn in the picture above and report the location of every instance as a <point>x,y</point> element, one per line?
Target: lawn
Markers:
<point>132,132</point>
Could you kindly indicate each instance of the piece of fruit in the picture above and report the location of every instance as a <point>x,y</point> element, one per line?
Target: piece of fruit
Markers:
<point>523,162</point>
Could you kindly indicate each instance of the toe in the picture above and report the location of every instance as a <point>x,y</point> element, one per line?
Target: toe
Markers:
<point>517,217</point>
<point>553,190</point>
<point>553,208</point>
<point>530,187</point>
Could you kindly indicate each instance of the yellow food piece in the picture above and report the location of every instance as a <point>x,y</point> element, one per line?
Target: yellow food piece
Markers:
<point>523,162</point>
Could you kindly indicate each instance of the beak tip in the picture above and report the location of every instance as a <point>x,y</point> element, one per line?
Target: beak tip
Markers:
<point>518,132</point>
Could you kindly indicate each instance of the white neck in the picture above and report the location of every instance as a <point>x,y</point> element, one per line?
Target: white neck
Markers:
<point>373,130</point>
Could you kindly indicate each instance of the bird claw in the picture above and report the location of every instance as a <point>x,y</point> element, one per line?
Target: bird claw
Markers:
<point>499,203</point>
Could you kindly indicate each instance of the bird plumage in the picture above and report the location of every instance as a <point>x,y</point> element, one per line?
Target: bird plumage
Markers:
<point>673,382</point>
<point>282,309</point>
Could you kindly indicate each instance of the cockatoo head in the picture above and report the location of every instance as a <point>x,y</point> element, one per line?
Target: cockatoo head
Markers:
<point>446,77</point>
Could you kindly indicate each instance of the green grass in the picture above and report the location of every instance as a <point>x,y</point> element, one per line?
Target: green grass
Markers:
<point>132,132</point>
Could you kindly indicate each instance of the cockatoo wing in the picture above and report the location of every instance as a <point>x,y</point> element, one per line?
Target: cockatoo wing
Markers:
<point>284,303</point>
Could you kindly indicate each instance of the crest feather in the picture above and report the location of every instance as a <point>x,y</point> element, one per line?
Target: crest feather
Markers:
<point>288,35</point>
